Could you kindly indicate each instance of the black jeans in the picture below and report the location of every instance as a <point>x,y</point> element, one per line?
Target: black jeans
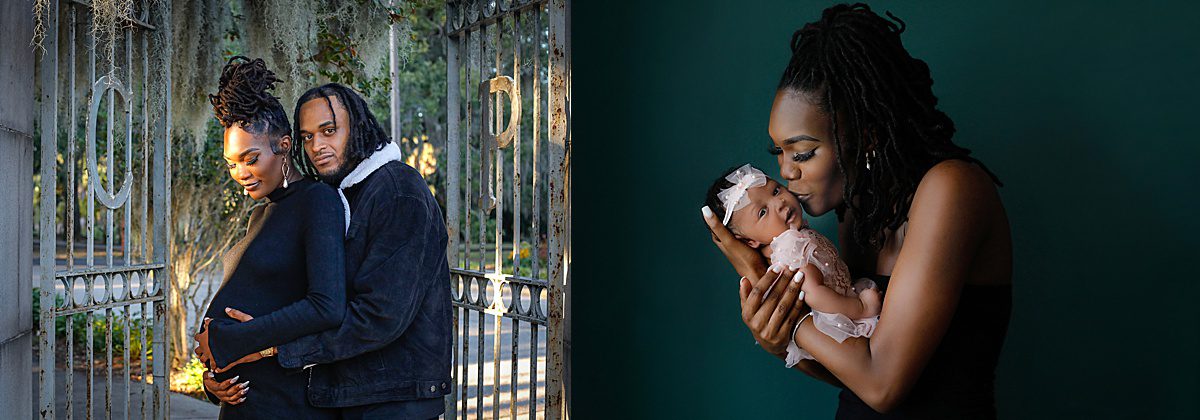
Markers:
<point>429,408</point>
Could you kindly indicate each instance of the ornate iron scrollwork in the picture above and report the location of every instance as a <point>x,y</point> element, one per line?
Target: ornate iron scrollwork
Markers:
<point>107,198</point>
<point>492,141</point>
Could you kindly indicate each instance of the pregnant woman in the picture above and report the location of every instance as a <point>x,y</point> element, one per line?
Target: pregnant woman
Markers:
<point>287,272</point>
<point>856,129</point>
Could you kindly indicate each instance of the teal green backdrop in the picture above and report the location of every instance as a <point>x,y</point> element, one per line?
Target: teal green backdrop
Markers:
<point>1088,113</point>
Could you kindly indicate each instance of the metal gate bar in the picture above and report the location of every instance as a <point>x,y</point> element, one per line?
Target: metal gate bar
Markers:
<point>511,285</point>
<point>110,292</point>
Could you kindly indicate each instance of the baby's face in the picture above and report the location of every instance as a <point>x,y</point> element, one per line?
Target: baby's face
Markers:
<point>772,211</point>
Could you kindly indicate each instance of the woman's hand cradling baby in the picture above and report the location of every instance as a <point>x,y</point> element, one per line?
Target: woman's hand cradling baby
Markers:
<point>747,261</point>
<point>771,315</point>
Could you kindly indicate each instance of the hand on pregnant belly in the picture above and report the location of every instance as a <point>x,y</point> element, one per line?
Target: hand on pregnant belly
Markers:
<point>201,350</point>
<point>228,391</point>
<point>252,357</point>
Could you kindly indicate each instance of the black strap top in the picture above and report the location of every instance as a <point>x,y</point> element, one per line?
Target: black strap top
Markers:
<point>959,380</point>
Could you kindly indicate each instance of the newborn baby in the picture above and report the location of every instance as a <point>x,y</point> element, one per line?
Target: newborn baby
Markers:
<point>766,216</point>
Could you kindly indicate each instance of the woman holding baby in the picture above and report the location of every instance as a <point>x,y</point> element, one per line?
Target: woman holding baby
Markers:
<point>856,129</point>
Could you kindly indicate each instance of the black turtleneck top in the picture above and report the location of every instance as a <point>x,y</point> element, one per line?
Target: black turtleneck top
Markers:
<point>288,273</point>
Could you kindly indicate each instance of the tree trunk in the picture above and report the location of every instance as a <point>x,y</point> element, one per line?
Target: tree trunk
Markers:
<point>178,339</point>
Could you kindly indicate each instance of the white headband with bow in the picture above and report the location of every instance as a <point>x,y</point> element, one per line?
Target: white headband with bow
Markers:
<point>734,197</point>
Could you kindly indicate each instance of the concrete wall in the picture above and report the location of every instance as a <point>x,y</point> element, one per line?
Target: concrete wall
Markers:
<point>17,112</point>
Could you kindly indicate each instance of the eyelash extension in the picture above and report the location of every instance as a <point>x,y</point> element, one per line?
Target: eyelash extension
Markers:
<point>801,157</point>
<point>774,150</point>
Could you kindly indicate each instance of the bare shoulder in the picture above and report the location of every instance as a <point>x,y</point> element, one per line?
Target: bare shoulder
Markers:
<point>957,176</point>
<point>960,184</point>
<point>957,196</point>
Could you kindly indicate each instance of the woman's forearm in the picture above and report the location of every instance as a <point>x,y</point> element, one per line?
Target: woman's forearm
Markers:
<point>881,382</point>
<point>230,340</point>
<point>851,359</point>
<point>815,370</point>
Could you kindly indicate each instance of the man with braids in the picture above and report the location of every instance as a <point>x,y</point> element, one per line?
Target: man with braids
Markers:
<point>390,357</point>
<point>856,130</point>
<point>287,271</point>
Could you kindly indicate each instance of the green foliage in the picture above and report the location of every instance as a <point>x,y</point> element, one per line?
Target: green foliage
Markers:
<point>489,225</point>
<point>422,78</point>
<point>191,377</point>
<point>340,62</point>
<point>421,85</point>
<point>522,261</point>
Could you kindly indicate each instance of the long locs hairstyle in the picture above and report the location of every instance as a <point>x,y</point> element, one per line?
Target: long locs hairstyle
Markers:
<point>883,115</point>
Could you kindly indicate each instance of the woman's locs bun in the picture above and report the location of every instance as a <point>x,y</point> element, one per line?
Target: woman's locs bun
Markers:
<point>242,98</point>
<point>844,16</point>
<point>242,92</point>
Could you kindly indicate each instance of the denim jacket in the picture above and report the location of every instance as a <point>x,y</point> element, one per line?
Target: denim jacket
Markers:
<point>394,343</point>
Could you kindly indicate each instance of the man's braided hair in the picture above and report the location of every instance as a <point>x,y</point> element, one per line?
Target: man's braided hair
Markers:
<point>366,134</point>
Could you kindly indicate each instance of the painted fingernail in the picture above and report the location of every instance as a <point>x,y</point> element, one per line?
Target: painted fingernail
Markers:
<point>242,400</point>
<point>799,276</point>
<point>210,374</point>
<point>228,310</point>
<point>244,384</point>
<point>800,296</point>
<point>707,212</point>
<point>235,378</point>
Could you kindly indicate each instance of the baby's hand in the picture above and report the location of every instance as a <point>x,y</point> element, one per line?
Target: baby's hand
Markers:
<point>872,301</point>
<point>799,223</point>
<point>813,279</point>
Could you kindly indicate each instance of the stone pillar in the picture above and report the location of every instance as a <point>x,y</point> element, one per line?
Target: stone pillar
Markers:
<point>16,209</point>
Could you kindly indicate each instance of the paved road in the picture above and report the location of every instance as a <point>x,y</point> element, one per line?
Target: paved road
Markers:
<point>182,406</point>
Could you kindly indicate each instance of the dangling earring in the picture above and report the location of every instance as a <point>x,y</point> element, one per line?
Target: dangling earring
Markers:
<point>286,172</point>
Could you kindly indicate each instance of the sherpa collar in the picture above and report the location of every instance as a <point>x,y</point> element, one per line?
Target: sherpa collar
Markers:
<point>389,153</point>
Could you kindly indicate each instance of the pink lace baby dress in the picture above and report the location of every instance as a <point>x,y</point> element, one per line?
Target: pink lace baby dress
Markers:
<point>794,249</point>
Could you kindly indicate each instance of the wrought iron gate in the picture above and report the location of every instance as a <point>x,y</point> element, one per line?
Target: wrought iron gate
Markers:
<point>508,72</point>
<point>105,153</point>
